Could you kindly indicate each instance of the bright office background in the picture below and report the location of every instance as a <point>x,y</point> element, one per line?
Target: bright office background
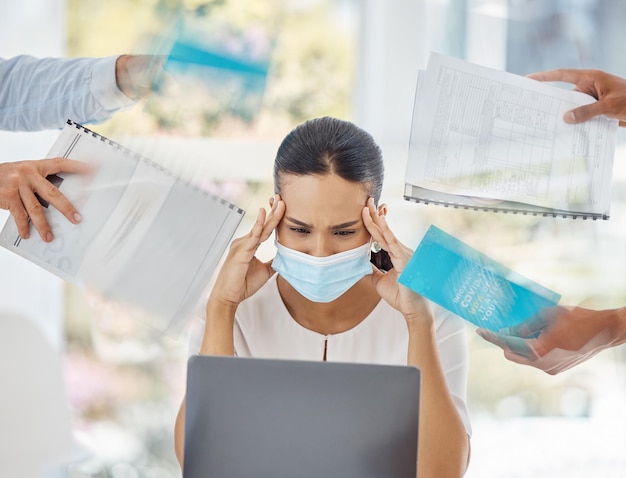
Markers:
<point>358,60</point>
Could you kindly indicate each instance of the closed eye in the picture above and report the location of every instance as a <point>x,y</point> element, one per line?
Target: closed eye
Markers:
<point>299,230</point>
<point>344,233</point>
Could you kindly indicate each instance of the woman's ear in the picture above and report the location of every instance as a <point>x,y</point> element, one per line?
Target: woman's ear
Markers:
<point>382,210</point>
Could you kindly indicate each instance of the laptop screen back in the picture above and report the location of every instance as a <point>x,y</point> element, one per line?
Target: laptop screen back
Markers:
<point>277,418</point>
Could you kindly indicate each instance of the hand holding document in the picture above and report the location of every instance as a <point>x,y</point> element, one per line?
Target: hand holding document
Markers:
<point>491,140</point>
<point>146,239</point>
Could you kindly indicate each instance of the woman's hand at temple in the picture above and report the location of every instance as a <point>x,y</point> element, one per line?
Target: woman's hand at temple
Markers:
<point>242,274</point>
<point>411,305</point>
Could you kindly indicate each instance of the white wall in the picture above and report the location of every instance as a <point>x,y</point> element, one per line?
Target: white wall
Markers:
<point>34,27</point>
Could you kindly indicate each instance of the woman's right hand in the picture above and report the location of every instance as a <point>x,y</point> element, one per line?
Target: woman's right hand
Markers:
<point>242,274</point>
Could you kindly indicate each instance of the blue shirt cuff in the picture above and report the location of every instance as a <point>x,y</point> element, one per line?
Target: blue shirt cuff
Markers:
<point>104,85</point>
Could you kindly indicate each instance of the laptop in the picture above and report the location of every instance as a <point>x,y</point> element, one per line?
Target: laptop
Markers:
<point>266,418</point>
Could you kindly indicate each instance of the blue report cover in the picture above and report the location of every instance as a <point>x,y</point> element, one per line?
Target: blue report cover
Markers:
<point>471,284</point>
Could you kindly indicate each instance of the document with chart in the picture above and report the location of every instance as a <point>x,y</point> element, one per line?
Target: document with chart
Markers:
<point>490,140</point>
<point>147,239</point>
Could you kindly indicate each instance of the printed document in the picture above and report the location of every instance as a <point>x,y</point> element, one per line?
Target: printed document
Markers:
<point>487,138</point>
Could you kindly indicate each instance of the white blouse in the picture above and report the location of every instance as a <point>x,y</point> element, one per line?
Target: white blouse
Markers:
<point>265,329</point>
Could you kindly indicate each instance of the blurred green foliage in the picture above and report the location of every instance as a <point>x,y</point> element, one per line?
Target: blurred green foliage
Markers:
<point>311,71</point>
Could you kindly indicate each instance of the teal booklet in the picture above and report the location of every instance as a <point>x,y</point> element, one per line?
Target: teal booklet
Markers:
<point>471,284</point>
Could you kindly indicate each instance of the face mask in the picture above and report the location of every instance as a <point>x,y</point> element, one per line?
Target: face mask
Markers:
<point>322,279</point>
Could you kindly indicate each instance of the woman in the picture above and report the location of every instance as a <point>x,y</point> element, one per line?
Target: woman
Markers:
<point>327,301</point>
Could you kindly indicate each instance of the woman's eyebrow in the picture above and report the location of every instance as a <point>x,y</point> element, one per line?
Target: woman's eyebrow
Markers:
<point>337,226</point>
<point>298,223</point>
<point>345,225</point>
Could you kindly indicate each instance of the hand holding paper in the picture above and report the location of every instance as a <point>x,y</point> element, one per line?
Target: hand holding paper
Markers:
<point>609,90</point>
<point>26,189</point>
<point>558,338</point>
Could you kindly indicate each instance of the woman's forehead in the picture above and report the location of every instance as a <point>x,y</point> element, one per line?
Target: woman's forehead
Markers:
<point>328,186</point>
<point>330,194</point>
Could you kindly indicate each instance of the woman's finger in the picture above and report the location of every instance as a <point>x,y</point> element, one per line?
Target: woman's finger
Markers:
<point>250,242</point>
<point>368,215</point>
<point>385,238</point>
<point>377,226</point>
<point>274,217</point>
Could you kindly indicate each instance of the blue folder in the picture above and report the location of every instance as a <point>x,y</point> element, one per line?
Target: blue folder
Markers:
<point>472,285</point>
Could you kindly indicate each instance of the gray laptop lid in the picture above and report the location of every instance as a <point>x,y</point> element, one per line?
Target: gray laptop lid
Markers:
<point>267,418</point>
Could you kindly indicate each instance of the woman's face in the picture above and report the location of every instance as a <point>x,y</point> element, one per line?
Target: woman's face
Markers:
<point>322,214</point>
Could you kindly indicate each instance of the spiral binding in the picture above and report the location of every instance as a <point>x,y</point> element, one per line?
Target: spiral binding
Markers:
<point>149,162</point>
<point>504,210</point>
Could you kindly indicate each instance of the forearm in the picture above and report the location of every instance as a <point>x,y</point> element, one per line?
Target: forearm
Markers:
<point>38,94</point>
<point>619,326</point>
<point>218,336</point>
<point>179,434</point>
<point>443,443</point>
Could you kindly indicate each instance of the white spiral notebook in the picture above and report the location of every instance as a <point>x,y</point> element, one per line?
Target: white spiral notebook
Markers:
<point>491,140</point>
<point>147,239</point>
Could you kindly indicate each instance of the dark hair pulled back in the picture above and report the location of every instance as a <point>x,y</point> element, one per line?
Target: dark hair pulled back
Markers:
<point>332,146</point>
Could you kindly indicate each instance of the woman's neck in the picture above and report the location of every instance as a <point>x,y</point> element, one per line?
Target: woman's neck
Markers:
<point>344,313</point>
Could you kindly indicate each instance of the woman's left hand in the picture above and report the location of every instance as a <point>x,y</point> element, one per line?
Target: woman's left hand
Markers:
<point>387,285</point>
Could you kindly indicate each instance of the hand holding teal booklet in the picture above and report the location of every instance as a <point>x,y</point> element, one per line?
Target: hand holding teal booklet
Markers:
<point>471,284</point>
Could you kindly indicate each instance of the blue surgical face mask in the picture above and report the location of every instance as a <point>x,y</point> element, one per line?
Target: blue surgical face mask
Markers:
<point>322,279</point>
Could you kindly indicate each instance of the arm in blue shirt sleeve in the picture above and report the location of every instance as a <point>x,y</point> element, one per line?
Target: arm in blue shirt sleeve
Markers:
<point>38,94</point>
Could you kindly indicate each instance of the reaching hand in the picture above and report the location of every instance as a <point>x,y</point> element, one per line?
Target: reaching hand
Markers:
<point>21,181</point>
<point>557,338</point>
<point>609,90</point>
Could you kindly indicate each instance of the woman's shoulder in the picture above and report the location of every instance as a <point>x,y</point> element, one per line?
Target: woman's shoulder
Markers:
<point>447,324</point>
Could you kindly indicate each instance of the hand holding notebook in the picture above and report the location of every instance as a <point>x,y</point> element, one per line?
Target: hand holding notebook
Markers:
<point>147,239</point>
